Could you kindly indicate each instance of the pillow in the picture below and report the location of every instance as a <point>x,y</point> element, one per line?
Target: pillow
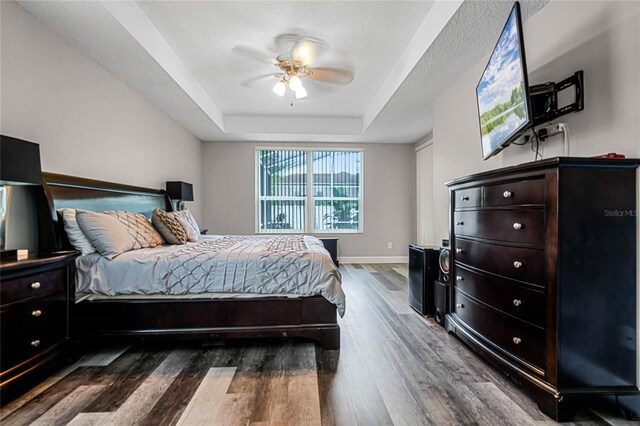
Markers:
<point>76,237</point>
<point>192,236</point>
<point>192,220</point>
<point>143,233</point>
<point>108,235</point>
<point>190,224</point>
<point>169,227</point>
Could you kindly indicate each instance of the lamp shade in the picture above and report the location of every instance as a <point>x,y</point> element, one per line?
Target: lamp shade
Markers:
<point>19,162</point>
<point>178,190</point>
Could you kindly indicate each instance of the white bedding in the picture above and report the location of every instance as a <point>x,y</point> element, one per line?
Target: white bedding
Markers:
<point>230,264</point>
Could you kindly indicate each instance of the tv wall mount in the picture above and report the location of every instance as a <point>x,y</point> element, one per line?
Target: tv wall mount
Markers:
<point>544,98</point>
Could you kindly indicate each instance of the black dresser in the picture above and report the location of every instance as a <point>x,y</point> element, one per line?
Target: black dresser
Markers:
<point>36,299</point>
<point>545,271</point>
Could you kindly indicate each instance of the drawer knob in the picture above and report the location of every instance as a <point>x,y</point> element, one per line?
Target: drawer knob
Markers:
<point>35,343</point>
<point>460,223</point>
<point>458,250</point>
<point>517,340</point>
<point>517,226</point>
<point>36,313</point>
<point>507,194</point>
<point>517,264</point>
<point>463,198</point>
<point>517,302</point>
<point>459,305</point>
<point>35,285</point>
<point>459,278</point>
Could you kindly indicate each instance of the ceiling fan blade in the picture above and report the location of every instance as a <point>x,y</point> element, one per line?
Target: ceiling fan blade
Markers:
<point>288,41</point>
<point>332,75</point>
<point>249,82</point>
<point>255,54</point>
<point>302,47</point>
<point>318,89</point>
<point>285,42</point>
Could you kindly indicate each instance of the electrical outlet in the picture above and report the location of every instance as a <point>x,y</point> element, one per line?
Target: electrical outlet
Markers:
<point>389,245</point>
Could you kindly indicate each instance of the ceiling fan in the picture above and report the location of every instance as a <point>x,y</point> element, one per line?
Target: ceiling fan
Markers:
<point>298,63</point>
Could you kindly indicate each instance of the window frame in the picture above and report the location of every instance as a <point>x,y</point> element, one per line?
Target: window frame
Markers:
<point>309,199</point>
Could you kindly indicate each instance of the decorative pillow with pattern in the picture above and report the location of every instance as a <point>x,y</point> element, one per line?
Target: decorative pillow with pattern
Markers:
<point>143,233</point>
<point>191,220</point>
<point>189,223</point>
<point>169,227</point>
<point>192,235</point>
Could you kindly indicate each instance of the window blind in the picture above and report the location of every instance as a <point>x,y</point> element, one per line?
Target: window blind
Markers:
<point>333,202</point>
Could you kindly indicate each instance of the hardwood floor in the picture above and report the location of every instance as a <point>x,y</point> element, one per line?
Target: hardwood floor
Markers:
<point>395,367</point>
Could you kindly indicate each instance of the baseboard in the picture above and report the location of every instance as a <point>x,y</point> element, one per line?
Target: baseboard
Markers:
<point>374,259</point>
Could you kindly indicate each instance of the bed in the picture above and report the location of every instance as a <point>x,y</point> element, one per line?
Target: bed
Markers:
<point>193,291</point>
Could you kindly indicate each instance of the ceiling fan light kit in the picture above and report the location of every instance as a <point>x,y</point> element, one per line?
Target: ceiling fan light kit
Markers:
<point>291,77</point>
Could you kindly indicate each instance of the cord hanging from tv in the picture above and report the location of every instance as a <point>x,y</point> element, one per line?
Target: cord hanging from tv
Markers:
<point>507,106</point>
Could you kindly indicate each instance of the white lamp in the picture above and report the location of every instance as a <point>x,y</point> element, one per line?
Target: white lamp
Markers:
<point>295,83</point>
<point>301,92</point>
<point>279,88</point>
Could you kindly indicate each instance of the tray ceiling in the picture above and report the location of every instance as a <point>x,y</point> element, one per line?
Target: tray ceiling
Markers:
<point>178,55</point>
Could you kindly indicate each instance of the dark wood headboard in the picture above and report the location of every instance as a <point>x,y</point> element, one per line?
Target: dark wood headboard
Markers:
<point>62,191</point>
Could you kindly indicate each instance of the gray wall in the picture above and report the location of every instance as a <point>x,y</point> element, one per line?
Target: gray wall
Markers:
<point>389,194</point>
<point>86,121</point>
<point>601,37</point>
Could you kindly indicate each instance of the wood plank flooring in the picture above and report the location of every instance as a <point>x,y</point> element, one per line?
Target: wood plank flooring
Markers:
<point>395,367</point>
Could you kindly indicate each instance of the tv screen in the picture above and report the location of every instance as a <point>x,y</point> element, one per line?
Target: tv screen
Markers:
<point>503,93</point>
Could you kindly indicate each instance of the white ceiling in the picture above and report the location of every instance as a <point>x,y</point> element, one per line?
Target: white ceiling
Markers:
<point>202,34</point>
<point>178,55</point>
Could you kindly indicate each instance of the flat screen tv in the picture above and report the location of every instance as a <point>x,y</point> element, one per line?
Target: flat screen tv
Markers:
<point>503,90</point>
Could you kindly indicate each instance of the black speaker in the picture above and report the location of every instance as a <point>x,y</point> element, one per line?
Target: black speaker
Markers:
<point>441,300</point>
<point>443,263</point>
<point>441,285</point>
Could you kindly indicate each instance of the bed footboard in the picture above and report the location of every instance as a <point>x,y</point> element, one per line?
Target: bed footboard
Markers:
<point>309,317</point>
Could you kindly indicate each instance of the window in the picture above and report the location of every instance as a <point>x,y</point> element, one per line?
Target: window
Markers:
<point>308,190</point>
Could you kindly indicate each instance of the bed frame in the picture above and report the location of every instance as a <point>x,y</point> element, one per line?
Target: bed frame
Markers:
<point>308,317</point>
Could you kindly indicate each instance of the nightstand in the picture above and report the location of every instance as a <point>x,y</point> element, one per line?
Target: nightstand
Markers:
<point>331,244</point>
<point>36,297</point>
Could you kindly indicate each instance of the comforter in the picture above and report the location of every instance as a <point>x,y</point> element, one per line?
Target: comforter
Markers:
<point>275,265</point>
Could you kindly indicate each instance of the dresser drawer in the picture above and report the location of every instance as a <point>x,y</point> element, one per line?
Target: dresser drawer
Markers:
<point>20,317</point>
<point>19,348</point>
<point>515,193</point>
<point>520,226</point>
<point>471,197</point>
<point>32,286</point>
<point>526,304</point>
<point>527,265</point>
<point>516,337</point>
